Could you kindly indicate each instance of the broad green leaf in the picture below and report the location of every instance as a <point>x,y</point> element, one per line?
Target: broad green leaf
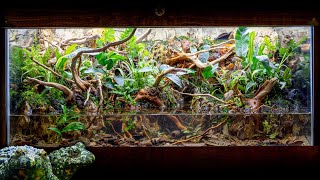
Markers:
<point>283,52</point>
<point>268,43</point>
<point>240,87</point>
<point>70,48</point>
<point>174,78</point>
<point>102,58</point>
<point>61,63</point>
<point>58,54</point>
<point>249,85</point>
<point>125,33</point>
<point>273,135</point>
<point>193,49</point>
<point>119,77</point>
<point>56,130</point>
<point>74,126</point>
<point>107,36</point>
<point>146,69</point>
<point>209,71</point>
<point>185,71</point>
<point>255,72</point>
<point>251,46</point>
<point>94,71</point>
<point>66,74</point>
<point>261,49</point>
<point>203,57</point>
<point>164,67</point>
<point>206,72</point>
<point>109,84</point>
<point>242,40</point>
<point>109,59</point>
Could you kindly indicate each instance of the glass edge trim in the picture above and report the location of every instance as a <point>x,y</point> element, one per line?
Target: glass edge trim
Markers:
<point>312,84</point>
<point>7,91</point>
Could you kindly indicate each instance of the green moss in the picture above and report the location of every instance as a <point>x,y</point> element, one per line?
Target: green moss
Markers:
<point>34,99</point>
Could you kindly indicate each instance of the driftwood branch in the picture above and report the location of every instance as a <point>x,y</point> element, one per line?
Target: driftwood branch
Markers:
<point>54,45</point>
<point>160,76</point>
<point>265,88</point>
<point>262,92</point>
<point>165,72</point>
<point>79,82</point>
<point>143,36</point>
<point>202,65</point>
<point>81,40</point>
<point>88,95</point>
<point>192,56</point>
<point>52,71</point>
<point>60,87</point>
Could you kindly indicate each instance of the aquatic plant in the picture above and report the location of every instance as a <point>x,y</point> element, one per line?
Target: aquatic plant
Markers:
<point>67,122</point>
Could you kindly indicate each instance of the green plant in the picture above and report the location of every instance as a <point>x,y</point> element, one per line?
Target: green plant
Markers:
<point>190,132</point>
<point>108,35</point>
<point>266,127</point>
<point>34,99</point>
<point>63,125</point>
<point>16,58</point>
<point>136,50</point>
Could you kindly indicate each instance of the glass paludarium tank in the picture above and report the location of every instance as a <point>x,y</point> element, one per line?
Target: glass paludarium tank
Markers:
<point>186,86</point>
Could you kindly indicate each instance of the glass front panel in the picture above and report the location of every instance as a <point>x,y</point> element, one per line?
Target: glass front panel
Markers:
<point>191,86</point>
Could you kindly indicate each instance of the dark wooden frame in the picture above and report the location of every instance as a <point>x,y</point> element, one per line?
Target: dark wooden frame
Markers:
<point>152,158</point>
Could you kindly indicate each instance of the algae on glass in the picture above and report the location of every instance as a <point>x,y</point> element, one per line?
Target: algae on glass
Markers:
<point>203,86</point>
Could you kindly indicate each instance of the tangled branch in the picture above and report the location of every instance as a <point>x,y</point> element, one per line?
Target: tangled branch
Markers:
<point>79,82</point>
<point>193,56</point>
